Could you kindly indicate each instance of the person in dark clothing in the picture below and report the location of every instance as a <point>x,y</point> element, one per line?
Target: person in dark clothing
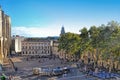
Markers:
<point>16,69</point>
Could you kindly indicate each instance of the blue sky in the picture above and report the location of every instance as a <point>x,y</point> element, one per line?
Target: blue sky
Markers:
<point>41,18</point>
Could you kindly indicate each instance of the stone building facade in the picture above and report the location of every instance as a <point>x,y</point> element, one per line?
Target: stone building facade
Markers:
<point>18,40</point>
<point>61,53</point>
<point>36,47</point>
<point>55,48</point>
<point>5,35</point>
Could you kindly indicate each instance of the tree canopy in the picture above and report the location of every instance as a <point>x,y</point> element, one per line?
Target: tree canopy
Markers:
<point>101,41</point>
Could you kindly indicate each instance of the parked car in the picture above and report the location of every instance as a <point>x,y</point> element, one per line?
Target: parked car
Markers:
<point>66,69</point>
<point>57,71</point>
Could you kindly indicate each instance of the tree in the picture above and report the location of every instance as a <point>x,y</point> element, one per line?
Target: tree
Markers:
<point>111,40</point>
<point>102,42</point>
<point>84,39</point>
<point>69,42</point>
<point>95,39</point>
<point>85,43</point>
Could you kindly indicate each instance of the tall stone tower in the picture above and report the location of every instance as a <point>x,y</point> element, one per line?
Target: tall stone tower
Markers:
<point>5,35</point>
<point>62,31</point>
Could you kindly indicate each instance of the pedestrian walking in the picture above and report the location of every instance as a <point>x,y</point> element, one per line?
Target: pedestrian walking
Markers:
<point>10,77</point>
<point>16,69</point>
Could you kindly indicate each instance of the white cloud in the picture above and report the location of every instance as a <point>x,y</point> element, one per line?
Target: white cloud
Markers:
<point>53,30</point>
<point>36,31</point>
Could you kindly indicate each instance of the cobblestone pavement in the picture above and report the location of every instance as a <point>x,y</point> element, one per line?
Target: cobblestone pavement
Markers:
<point>24,66</point>
<point>25,69</point>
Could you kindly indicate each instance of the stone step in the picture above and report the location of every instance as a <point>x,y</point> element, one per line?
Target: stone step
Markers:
<point>8,65</point>
<point>5,61</point>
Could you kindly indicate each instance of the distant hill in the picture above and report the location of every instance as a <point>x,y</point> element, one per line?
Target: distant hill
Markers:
<point>42,38</point>
<point>52,37</point>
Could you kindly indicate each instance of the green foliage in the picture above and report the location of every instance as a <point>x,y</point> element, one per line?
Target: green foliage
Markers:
<point>69,42</point>
<point>105,39</point>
